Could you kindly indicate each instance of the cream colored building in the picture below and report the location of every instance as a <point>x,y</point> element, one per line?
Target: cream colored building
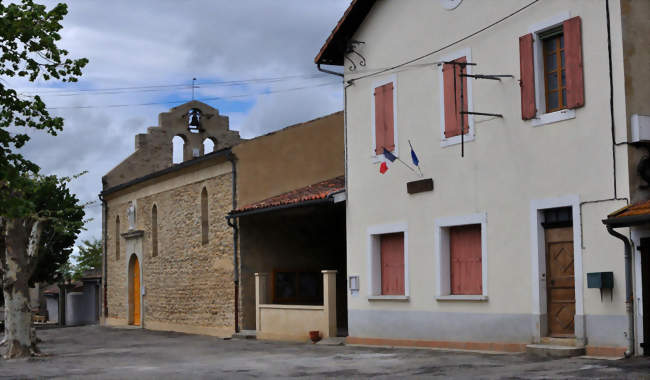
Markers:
<point>519,197</point>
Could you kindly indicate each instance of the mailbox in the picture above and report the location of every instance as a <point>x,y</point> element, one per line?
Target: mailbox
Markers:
<point>600,280</point>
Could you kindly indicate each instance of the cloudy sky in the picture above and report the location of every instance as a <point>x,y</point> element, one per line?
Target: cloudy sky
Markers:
<point>148,51</point>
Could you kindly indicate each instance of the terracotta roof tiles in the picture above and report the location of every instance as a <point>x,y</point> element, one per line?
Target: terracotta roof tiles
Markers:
<point>321,190</point>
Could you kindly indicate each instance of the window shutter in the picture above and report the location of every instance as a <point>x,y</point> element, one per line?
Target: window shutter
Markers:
<point>392,264</point>
<point>379,120</point>
<point>527,74</point>
<point>452,99</point>
<point>384,119</point>
<point>466,271</point>
<point>575,87</point>
<point>389,118</point>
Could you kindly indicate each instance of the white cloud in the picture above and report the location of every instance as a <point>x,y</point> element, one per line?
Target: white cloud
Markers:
<point>144,43</point>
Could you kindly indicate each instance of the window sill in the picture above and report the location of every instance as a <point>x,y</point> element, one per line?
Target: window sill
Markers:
<point>456,140</point>
<point>462,298</point>
<point>388,298</point>
<point>554,117</point>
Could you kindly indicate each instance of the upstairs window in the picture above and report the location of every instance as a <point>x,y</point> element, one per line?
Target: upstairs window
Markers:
<point>554,73</point>
<point>455,98</point>
<point>455,102</point>
<point>384,118</point>
<point>551,71</point>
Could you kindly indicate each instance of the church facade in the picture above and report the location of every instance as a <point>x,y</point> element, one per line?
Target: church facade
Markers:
<point>168,262</point>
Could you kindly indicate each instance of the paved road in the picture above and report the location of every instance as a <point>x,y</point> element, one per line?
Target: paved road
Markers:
<point>111,353</point>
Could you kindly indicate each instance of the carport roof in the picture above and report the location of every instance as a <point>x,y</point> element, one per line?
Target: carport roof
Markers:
<point>317,193</point>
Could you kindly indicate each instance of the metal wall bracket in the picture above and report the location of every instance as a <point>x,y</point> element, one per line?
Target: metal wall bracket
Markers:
<point>351,49</point>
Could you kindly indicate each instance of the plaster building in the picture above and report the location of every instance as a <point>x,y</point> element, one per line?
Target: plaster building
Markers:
<point>527,116</point>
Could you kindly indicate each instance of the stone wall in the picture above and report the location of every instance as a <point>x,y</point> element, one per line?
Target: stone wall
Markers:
<point>188,286</point>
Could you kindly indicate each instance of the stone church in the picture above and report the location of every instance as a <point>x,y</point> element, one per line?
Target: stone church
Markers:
<point>168,262</point>
<point>183,241</point>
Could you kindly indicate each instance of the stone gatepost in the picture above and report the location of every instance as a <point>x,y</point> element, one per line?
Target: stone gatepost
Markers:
<point>329,301</point>
<point>261,296</point>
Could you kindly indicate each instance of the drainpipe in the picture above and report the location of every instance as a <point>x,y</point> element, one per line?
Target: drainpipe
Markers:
<point>235,237</point>
<point>629,300</point>
<point>104,262</point>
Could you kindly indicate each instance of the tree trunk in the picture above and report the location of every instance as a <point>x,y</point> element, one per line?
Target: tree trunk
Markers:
<point>21,233</point>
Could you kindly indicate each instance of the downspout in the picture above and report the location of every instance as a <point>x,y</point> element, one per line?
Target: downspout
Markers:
<point>235,237</point>
<point>105,249</point>
<point>629,301</point>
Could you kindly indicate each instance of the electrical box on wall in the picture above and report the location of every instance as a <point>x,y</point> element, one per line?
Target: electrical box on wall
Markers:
<point>600,280</point>
<point>353,284</point>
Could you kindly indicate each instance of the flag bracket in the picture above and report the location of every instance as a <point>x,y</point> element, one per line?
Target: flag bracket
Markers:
<point>462,112</point>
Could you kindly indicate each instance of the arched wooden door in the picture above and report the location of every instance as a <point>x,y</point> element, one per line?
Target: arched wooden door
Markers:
<point>135,291</point>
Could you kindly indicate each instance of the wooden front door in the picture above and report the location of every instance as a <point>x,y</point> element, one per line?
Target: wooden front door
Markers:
<point>135,290</point>
<point>560,281</point>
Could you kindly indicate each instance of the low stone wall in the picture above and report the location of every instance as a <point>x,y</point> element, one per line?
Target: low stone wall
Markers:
<point>294,322</point>
<point>291,322</point>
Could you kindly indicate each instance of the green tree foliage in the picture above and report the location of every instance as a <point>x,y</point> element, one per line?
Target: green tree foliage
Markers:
<point>29,34</point>
<point>64,215</point>
<point>89,258</point>
<point>39,217</point>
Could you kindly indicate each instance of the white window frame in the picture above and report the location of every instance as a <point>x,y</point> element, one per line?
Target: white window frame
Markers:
<point>542,117</point>
<point>374,261</point>
<point>443,261</point>
<point>389,79</point>
<point>469,136</point>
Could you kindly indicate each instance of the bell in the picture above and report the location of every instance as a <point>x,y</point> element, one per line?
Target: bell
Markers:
<point>194,123</point>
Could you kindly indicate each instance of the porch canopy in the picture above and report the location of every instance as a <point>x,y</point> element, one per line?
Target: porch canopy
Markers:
<point>329,191</point>
<point>292,243</point>
<point>631,215</point>
<point>636,214</point>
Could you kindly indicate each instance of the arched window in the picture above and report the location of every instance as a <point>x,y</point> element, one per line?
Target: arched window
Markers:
<point>178,146</point>
<point>117,237</point>
<point>204,216</point>
<point>208,146</point>
<point>154,231</point>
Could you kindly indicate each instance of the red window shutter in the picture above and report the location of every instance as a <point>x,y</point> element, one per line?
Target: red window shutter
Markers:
<point>527,74</point>
<point>466,262</point>
<point>452,98</point>
<point>392,264</point>
<point>389,117</point>
<point>384,119</point>
<point>379,120</point>
<point>575,86</point>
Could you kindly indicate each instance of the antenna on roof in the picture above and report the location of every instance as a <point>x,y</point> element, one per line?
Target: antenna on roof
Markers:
<point>193,87</point>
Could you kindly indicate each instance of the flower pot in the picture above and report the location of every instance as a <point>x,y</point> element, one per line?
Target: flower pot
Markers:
<point>314,336</point>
